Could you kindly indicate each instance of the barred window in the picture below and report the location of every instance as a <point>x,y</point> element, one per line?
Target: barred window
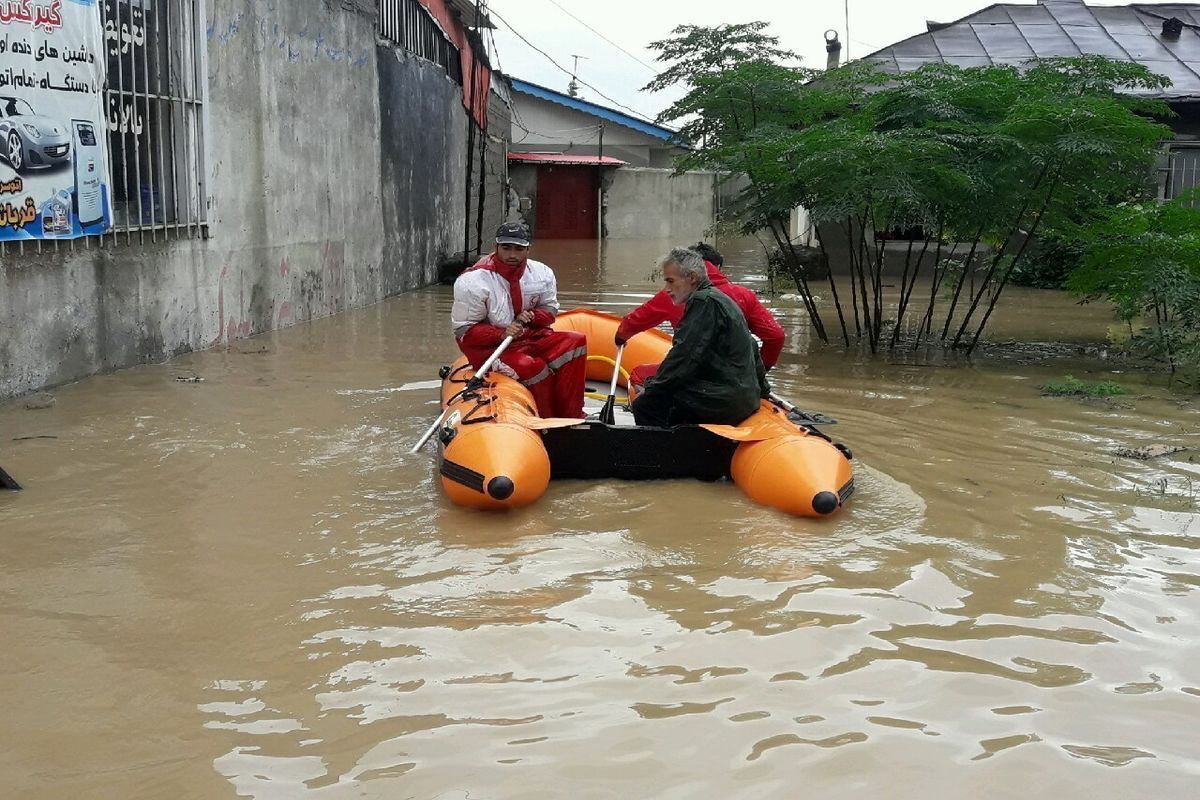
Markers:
<point>1184,170</point>
<point>406,23</point>
<point>154,103</point>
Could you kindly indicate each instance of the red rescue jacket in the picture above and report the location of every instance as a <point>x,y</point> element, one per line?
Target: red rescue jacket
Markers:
<point>661,308</point>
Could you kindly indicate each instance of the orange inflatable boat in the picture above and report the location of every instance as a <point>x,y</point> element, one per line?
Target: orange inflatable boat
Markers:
<point>496,452</point>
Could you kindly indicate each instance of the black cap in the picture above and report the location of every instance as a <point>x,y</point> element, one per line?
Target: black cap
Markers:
<point>513,233</point>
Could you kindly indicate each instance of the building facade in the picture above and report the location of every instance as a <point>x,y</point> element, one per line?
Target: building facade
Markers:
<point>580,170</point>
<point>1164,38</point>
<point>275,162</point>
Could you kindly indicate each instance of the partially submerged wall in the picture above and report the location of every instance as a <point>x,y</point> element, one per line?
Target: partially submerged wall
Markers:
<point>336,177</point>
<point>657,204</point>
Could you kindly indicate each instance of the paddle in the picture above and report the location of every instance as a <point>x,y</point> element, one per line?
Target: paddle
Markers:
<point>6,481</point>
<point>803,417</point>
<point>475,381</point>
<point>608,413</point>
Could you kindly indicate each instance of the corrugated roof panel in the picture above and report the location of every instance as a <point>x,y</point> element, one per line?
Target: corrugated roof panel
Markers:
<point>916,47</point>
<point>991,14</point>
<point>562,158</point>
<point>1002,41</point>
<point>1116,18</point>
<point>1031,15</point>
<point>910,64</point>
<point>884,62</point>
<point>1061,29</point>
<point>1183,79</point>
<point>959,40</point>
<point>1094,40</point>
<point>1143,47</point>
<point>1048,41</point>
<point>1071,13</point>
<point>612,115</point>
<point>1184,48</point>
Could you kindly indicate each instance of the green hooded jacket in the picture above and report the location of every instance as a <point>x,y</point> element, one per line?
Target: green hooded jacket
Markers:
<point>713,370</point>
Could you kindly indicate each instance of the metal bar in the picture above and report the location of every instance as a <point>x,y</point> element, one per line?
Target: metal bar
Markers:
<point>158,117</point>
<point>133,107</point>
<point>146,122</point>
<point>185,57</point>
<point>201,119</point>
<point>118,98</point>
<point>171,40</point>
<point>193,119</point>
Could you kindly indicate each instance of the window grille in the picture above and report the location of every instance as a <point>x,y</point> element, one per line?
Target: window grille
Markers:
<point>155,85</point>
<point>154,103</point>
<point>407,24</point>
<point>1184,170</point>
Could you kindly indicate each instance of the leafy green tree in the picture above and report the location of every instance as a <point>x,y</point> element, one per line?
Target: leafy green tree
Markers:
<point>985,155</point>
<point>1144,258</point>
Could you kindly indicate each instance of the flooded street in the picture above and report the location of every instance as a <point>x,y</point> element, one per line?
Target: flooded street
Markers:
<point>246,586</point>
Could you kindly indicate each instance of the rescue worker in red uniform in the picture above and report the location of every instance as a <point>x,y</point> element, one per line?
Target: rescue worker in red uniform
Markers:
<point>661,308</point>
<point>509,294</point>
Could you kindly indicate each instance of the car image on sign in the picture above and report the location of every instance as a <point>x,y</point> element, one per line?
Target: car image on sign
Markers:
<point>27,140</point>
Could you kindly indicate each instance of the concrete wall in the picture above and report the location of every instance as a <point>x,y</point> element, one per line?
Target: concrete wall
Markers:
<point>656,204</point>
<point>336,177</point>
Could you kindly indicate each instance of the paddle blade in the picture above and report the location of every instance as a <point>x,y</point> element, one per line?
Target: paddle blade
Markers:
<point>6,482</point>
<point>608,414</point>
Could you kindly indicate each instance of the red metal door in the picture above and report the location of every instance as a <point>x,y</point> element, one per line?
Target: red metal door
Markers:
<point>566,202</point>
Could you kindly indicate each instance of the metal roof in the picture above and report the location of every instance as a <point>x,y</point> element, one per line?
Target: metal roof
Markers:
<point>1013,34</point>
<point>641,126</point>
<point>563,158</point>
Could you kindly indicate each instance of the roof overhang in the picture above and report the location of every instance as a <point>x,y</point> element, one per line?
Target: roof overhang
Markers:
<point>466,12</point>
<point>602,112</point>
<point>563,158</point>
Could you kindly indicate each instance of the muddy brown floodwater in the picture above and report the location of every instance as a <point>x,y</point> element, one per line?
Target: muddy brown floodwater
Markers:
<point>246,586</point>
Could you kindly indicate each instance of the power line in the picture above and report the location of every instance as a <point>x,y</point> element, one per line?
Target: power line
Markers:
<point>566,71</point>
<point>602,36</point>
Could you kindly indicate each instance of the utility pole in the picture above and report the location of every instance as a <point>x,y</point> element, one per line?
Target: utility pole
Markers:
<point>600,186</point>
<point>847,31</point>
<point>573,86</point>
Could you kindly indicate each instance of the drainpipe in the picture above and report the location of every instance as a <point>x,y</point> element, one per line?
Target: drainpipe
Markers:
<point>833,48</point>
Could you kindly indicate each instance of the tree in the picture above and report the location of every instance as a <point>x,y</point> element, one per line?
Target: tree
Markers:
<point>984,155</point>
<point>1144,258</point>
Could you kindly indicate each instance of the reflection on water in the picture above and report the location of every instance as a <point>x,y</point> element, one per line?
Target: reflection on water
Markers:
<point>246,586</point>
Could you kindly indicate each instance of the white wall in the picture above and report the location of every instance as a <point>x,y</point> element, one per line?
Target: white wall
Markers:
<point>543,126</point>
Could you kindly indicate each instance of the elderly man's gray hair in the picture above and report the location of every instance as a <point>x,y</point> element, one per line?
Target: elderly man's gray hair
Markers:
<point>688,261</point>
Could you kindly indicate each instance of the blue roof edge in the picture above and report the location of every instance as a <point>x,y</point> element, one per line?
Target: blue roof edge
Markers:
<point>533,89</point>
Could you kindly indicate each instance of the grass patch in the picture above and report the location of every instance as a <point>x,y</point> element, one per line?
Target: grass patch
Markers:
<point>1073,387</point>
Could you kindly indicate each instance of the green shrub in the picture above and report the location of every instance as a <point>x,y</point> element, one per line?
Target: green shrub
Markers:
<point>1073,387</point>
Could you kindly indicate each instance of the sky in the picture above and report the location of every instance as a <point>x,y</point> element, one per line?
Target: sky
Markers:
<point>632,24</point>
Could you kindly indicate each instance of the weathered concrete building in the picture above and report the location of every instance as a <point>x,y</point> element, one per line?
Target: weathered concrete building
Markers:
<point>293,159</point>
<point>584,171</point>
<point>1164,38</point>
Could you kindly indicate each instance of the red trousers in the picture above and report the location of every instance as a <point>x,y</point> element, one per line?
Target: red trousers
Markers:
<point>551,364</point>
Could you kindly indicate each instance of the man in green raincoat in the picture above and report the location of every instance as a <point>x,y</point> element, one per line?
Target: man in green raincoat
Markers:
<point>713,373</point>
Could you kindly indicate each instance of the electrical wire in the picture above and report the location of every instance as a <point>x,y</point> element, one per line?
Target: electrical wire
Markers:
<point>566,71</point>
<point>602,36</point>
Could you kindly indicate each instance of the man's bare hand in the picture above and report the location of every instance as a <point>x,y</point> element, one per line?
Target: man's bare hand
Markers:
<point>515,330</point>
<point>525,317</point>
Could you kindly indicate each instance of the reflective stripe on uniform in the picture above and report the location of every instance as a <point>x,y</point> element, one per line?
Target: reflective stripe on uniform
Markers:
<point>565,357</point>
<point>541,376</point>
